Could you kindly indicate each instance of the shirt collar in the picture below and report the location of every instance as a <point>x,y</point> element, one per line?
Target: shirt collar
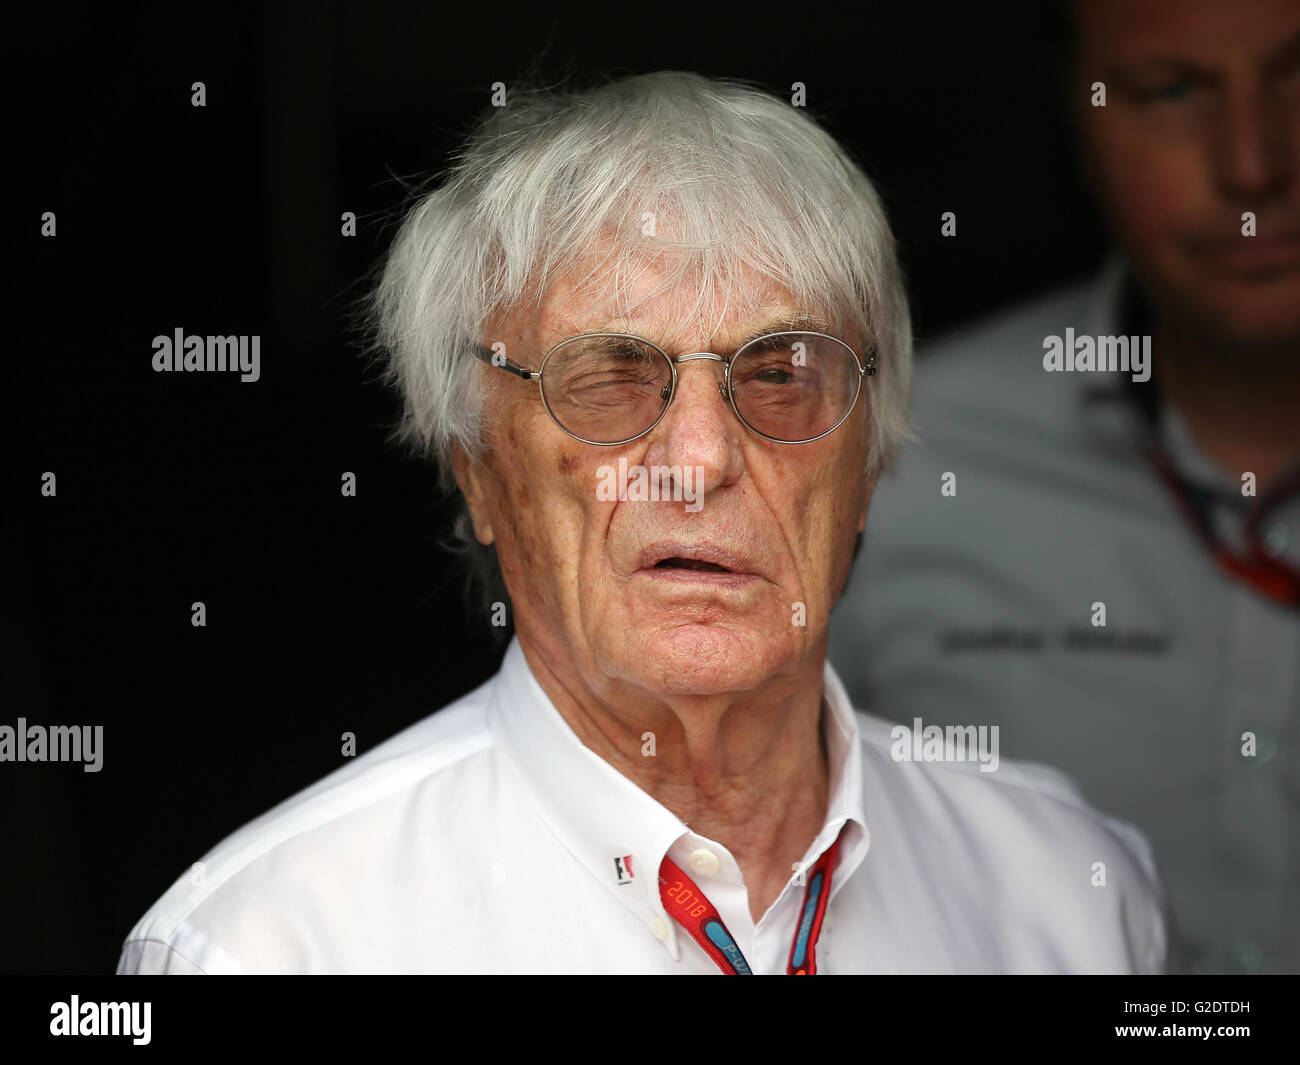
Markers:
<point>618,832</point>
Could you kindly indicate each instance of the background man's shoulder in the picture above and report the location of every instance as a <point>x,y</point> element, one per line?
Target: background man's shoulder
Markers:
<point>1001,337</point>
<point>986,378</point>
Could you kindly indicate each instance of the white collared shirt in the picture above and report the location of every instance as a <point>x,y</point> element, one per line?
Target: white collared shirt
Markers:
<point>488,839</point>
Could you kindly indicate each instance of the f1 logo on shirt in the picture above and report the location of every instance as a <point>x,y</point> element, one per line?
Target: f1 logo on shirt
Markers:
<point>623,866</point>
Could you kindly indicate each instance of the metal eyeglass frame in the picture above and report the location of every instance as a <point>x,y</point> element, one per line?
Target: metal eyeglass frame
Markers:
<point>490,357</point>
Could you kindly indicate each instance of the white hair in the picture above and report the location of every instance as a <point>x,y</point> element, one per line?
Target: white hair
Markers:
<point>742,182</point>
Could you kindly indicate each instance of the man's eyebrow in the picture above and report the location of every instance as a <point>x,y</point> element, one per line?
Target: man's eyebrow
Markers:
<point>792,323</point>
<point>789,323</point>
<point>605,338</point>
<point>1198,66</point>
<point>1162,65</point>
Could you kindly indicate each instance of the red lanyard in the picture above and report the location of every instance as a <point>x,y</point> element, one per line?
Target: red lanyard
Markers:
<point>694,912</point>
<point>1271,578</point>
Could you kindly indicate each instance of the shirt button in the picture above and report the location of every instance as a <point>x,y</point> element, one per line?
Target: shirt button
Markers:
<point>704,862</point>
<point>659,927</point>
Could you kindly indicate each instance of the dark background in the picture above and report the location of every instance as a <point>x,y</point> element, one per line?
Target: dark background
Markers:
<point>329,614</point>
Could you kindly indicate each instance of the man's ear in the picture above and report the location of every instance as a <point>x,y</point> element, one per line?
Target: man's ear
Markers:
<point>469,479</point>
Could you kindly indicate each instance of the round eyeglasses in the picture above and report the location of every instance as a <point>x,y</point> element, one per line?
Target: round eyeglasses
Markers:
<point>612,388</point>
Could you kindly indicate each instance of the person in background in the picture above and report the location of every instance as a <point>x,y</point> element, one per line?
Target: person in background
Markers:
<point>1096,544</point>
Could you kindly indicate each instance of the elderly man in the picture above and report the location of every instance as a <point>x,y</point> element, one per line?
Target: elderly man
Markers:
<point>656,333</point>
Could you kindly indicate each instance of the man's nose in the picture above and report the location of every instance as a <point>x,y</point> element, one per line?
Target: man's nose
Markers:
<point>1255,142</point>
<point>699,428</point>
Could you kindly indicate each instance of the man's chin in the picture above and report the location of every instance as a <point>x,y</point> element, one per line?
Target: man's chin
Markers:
<point>1245,314</point>
<point>699,659</point>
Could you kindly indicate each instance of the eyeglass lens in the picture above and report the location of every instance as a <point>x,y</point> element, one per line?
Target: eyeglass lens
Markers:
<point>788,386</point>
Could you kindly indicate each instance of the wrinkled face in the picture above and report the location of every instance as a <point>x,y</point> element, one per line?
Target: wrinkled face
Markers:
<point>717,595</point>
<point>1201,124</point>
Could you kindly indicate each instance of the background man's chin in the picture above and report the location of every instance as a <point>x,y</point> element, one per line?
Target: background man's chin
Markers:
<point>1244,315</point>
<point>1261,325</point>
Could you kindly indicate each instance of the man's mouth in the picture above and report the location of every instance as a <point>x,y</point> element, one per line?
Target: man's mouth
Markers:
<point>691,563</point>
<point>1262,257</point>
<point>707,562</point>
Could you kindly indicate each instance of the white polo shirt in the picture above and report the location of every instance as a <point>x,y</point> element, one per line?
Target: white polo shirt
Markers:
<point>487,839</point>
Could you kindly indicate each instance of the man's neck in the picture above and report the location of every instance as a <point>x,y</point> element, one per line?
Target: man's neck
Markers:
<point>1240,407</point>
<point>752,774</point>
